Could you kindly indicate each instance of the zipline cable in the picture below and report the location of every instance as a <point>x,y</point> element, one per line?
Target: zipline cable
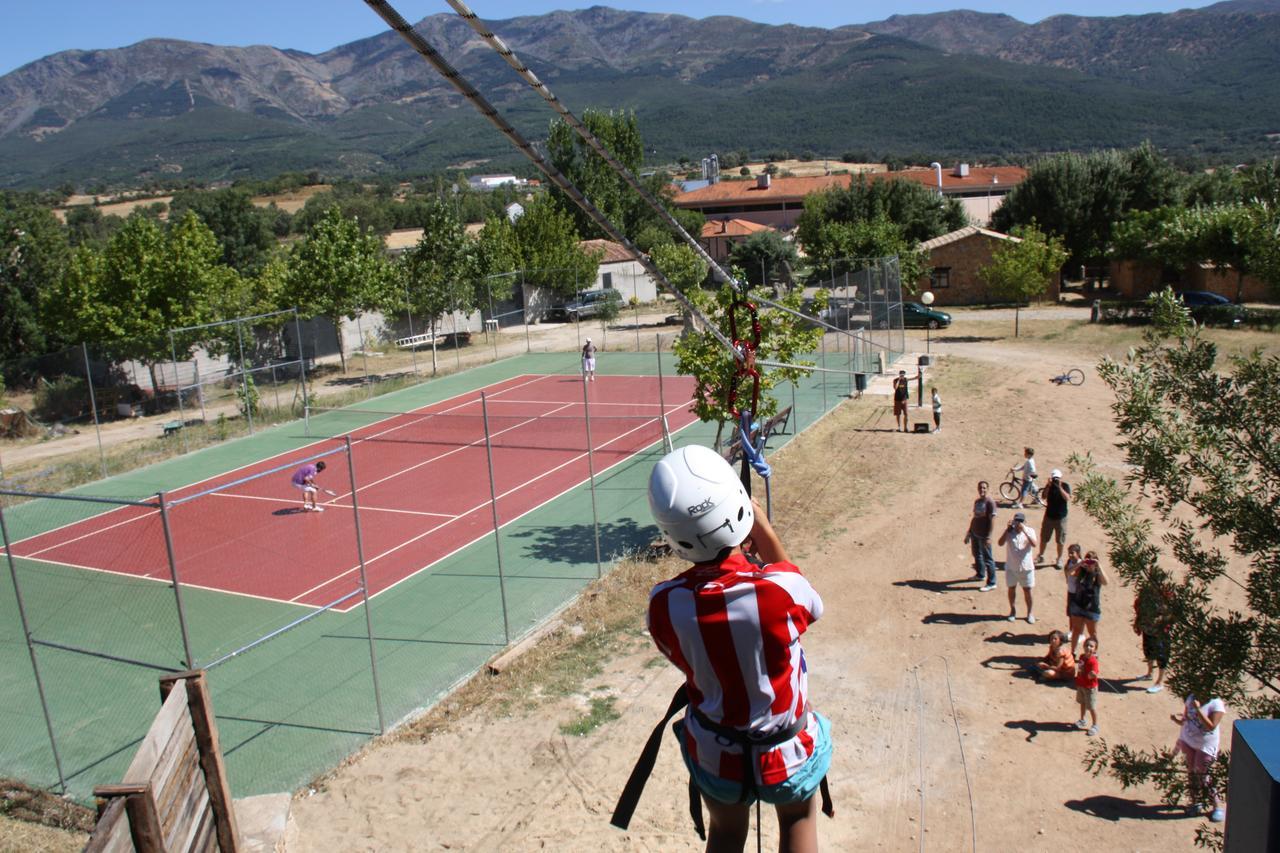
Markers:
<point>415,40</point>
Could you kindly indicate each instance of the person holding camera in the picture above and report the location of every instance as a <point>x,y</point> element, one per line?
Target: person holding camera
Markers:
<point>1019,566</point>
<point>1054,523</point>
<point>1086,602</point>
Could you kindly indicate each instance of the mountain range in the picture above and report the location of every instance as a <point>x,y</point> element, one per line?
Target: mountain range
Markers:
<point>1198,83</point>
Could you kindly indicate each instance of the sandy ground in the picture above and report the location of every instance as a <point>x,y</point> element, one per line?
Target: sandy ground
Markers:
<point>941,743</point>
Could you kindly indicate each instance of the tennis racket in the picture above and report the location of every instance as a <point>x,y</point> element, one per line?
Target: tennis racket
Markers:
<point>330,492</point>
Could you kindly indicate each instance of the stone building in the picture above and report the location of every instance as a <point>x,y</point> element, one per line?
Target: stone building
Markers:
<point>954,260</point>
<point>1135,279</point>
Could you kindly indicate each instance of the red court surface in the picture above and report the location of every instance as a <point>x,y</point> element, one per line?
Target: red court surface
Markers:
<point>423,492</point>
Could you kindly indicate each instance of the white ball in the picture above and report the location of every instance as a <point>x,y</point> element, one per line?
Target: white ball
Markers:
<point>927,297</point>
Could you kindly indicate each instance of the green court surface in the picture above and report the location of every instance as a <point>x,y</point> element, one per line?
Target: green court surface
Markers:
<point>296,705</point>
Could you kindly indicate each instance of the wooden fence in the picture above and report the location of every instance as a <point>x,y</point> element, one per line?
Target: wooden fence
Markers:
<point>174,797</point>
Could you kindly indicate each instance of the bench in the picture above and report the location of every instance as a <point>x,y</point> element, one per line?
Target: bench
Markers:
<point>171,428</point>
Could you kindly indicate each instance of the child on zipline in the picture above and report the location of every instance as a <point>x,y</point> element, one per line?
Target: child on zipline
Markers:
<point>733,628</point>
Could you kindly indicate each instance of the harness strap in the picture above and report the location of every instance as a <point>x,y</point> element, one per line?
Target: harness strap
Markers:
<point>630,797</point>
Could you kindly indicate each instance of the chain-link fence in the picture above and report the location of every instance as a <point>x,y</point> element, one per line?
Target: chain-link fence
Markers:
<point>866,299</point>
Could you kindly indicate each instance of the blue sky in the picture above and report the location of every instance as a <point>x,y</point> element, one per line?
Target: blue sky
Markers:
<point>33,30</point>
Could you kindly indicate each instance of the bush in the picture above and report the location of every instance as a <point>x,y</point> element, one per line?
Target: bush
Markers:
<point>63,399</point>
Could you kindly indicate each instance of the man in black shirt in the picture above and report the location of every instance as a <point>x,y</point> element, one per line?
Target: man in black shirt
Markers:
<point>1056,496</point>
<point>901,392</point>
<point>978,538</point>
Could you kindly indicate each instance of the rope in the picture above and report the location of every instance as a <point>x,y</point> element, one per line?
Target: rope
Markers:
<point>397,23</point>
<point>583,131</point>
<point>964,762</point>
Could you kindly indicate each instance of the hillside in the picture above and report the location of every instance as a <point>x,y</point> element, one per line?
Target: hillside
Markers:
<point>956,84</point>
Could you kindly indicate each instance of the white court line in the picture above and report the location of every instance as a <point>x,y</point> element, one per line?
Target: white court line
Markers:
<point>486,503</point>
<point>330,502</point>
<point>471,400</point>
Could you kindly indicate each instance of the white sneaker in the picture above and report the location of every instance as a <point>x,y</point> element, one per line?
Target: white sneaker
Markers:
<point>319,509</point>
<point>987,588</point>
<point>1031,620</point>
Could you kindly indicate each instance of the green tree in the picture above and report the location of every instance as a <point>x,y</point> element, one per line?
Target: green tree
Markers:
<point>439,274</point>
<point>784,338</point>
<point>844,246</point>
<point>762,256</point>
<point>33,255</point>
<point>585,169</point>
<point>680,264</point>
<point>550,253</point>
<point>145,282</point>
<point>1244,238</point>
<point>245,231</point>
<point>918,213</point>
<point>1199,439</point>
<point>1078,198</point>
<point>337,271</point>
<point>1022,268</point>
<point>87,226</point>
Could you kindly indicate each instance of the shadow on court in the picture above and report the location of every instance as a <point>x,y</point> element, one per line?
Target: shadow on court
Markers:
<point>575,543</point>
<point>1017,639</point>
<point>1107,807</point>
<point>1020,666</point>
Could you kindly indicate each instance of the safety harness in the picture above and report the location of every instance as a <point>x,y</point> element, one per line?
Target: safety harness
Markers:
<point>751,746</point>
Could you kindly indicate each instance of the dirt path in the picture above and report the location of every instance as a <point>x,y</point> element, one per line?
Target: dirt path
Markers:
<point>941,743</point>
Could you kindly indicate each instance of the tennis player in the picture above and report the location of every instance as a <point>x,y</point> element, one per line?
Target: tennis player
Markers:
<point>304,480</point>
<point>589,361</point>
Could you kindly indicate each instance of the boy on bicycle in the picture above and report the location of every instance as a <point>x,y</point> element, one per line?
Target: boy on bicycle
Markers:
<point>1028,471</point>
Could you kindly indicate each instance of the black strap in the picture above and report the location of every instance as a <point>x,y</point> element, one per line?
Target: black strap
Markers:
<point>828,807</point>
<point>644,767</point>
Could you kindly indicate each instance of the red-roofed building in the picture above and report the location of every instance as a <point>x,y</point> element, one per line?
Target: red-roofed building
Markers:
<point>954,261</point>
<point>719,236</point>
<point>777,202</point>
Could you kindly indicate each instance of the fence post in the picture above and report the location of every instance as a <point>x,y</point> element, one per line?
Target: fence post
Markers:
<point>413,350</point>
<point>93,406</point>
<point>173,573</point>
<point>364,584</point>
<point>493,503</point>
<point>31,649</point>
<point>457,344</point>
<point>302,369</point>
<point>662,396</point>
<point>824,372</point>
<point>244,380</point>
<point>364,356</point>
<point>591,473</point>
<point>177,388</point>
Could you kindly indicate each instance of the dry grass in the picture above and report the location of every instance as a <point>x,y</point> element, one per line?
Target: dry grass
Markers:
<point>292,201</point>
<point>35,820</point>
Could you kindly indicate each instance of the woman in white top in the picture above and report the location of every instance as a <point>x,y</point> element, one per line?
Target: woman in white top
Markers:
<point>1198,743</point>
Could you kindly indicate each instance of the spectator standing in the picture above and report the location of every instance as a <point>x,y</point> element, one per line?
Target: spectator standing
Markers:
<point>1152,617</point>
<point>1198,743</point>
<point>937,410</point>
<point>1087,670</point>
<point>978,537</point>
<point>1019,566</point>
<point>1074,556</point>
<point>1056,497</point>
<point>1086,602</point>
<point>901,394</point>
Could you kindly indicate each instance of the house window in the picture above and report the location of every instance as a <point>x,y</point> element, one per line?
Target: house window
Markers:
<point>607,278</point>
<point>940,278</point>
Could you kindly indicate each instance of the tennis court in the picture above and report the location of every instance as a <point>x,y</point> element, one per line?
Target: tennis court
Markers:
<point>423,491</point>
<point>250,564</point>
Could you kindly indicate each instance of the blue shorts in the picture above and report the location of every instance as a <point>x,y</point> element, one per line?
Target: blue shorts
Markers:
<point>802,785</point>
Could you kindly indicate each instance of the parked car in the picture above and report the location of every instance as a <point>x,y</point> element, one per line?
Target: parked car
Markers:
<point>586,303</point>
<point>917,316</point>
<point>1211,308</point>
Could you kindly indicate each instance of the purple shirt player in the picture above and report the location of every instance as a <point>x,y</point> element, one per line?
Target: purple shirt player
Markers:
<point>304,480</point>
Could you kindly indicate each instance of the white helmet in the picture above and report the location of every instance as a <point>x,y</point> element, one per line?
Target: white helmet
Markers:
<point>699,503</point>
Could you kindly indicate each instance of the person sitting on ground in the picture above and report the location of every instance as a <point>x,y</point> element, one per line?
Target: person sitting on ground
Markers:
<point>1059,664</point>
<point>733,629</point>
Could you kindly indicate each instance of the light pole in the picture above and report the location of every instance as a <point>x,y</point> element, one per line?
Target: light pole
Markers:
<point>927,299</point>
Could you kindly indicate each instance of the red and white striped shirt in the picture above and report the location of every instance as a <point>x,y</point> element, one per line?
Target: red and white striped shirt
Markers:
<point>734,630</point>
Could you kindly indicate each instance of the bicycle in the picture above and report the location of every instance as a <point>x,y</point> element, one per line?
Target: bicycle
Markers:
<point>1011,489</point>
<point>1074,376</point>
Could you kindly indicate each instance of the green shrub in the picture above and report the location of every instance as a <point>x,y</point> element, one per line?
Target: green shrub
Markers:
<point>64,399</point>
